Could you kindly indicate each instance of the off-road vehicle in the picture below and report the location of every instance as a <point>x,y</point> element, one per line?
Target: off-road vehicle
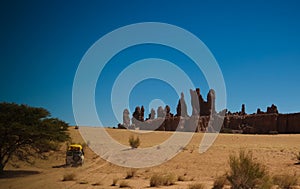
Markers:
<point>75,155</point>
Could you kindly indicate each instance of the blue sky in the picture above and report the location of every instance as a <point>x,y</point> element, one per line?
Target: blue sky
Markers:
<point>256,43</point>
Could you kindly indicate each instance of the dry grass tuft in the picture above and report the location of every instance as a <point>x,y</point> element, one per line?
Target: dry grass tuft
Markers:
<point>220,182</point>
<point>166,179</point>
<point>130,173</point>
<point>97,184</point>
<point>83,182</point>
<point>114,182</point>
<point>181,178</point>
<point>246,173</point>
<point>196,186</point>
<point>285,181</point>
<point>134,142</point>
<point>124,184</point>
<point>69,177</point>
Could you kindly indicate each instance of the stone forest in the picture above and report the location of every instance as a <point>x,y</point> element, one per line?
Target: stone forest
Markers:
<point>204,118</point>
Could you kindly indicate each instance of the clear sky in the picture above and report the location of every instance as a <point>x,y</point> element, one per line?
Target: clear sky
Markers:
<point>256,44</point>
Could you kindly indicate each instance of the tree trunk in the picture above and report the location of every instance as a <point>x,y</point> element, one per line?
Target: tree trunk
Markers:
<point>1,168</point>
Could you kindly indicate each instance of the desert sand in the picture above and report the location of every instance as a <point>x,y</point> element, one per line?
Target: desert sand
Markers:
<point>276,152</point>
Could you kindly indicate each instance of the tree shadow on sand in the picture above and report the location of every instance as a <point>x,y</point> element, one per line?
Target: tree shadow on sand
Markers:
<point>59,166</point>
<point>17,173</point>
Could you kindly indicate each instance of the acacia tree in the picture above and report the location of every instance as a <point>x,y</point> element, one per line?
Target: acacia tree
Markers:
<point>28,131</point>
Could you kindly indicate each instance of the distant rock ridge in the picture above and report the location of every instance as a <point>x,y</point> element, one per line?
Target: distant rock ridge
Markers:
<point>204,118</point>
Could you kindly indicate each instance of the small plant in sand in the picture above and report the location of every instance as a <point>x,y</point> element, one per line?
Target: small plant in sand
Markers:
<point>124,184</point>
<point>220,182</point>
<point>134,142</point>
<point>96,183</point>
<point>196,186</point>
<point>130,173</point>
<point>245,173</point>
<point>285,181</point>
<point>114,182</point>
<point>181,178</point>
<point>83,182</point>
<point>69,177</point>
<point>160,179</point>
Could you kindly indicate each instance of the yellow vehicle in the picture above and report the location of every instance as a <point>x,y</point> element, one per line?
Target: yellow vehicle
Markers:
<point>75,155</point>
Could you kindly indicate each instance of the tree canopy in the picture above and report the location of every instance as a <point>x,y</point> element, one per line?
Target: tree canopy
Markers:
<point>28,131</point>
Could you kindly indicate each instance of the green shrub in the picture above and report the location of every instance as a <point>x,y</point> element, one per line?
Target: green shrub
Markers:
<point>245,173</point>
<point>134,142</point>
<point>196,186</point>
<point>285,181</point>
<point>166,179</point>
<point>69,177</point>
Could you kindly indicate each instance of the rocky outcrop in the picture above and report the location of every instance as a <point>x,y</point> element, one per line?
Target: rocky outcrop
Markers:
<point>152,114</point>
<point>126,118</point>
<point>264,123</point>
<point>181,107</point>
<point>204,118</point>
<point>243,110</point>
<point>288,123</point>
<point>200,106</point>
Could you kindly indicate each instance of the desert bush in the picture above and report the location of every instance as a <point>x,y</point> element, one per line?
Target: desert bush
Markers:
<point>114,183</point>
<point>166,179</point>
<point>285,181</point>
<point>196,186</point>
<point>130,173</point>
<point>220,182</point>
<point>69,177</point>
<point>134,142</point>
<point>245,173</point>
<point>124,184</point>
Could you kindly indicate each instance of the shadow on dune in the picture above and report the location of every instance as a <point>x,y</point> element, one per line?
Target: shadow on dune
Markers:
<point>64,166</point>
<point>17,173</point>
<point>59,166</point>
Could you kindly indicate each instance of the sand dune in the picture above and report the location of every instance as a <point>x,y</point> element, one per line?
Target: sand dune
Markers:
<point>276,152</point>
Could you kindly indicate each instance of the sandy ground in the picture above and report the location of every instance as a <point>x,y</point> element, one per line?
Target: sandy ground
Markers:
<point>276,152</point>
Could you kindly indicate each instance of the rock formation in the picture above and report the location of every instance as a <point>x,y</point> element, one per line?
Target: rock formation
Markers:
<point>167,111</point>
<point>243,111</point>
<point>126,118</point>
<point>205,119</point>
<point>142,114</point>
<point>160,112</point>
<point>272,109</point>
<point>210,104</point>
<point>136,116</point>
<point>181,107</point>
<point>206,108</point>
<point>195,102</point>
<point>152,114</point>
